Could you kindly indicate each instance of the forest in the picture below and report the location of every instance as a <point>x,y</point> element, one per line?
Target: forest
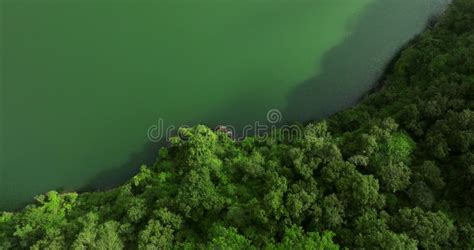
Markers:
<point>396,171</point>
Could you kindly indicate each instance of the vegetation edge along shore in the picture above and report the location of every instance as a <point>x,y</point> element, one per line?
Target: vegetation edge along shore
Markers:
<point>396,171</point>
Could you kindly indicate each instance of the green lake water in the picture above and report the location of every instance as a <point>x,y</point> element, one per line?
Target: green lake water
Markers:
<point>82,81</point>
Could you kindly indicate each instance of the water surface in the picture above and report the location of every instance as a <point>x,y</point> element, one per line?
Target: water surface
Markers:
<point>82,80</point>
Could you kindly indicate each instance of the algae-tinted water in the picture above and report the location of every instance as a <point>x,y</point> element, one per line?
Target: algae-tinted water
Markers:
<point>82,80</point>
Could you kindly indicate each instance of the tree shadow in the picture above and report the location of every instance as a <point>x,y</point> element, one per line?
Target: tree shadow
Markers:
<point>353,67</point>
<point>114,176</point>
<point>348,71</point>
<point>147,155</point>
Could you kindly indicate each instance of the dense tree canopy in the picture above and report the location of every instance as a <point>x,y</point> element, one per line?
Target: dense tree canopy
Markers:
<point>395,171</point>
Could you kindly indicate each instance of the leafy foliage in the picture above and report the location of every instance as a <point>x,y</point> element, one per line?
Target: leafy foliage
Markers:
<point>396,171</point>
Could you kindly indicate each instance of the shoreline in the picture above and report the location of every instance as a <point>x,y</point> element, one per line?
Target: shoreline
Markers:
<point>378,85</point>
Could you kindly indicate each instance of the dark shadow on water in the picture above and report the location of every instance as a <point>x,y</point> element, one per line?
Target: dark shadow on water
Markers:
<point>352,68</point>
<point>115,176</point>
<point>348,71</point>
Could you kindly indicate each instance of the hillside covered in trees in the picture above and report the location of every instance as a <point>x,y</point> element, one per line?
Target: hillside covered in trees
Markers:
<point>395,172</point>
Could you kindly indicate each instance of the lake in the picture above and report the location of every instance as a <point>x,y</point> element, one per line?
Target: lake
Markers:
<point>83,81</point>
